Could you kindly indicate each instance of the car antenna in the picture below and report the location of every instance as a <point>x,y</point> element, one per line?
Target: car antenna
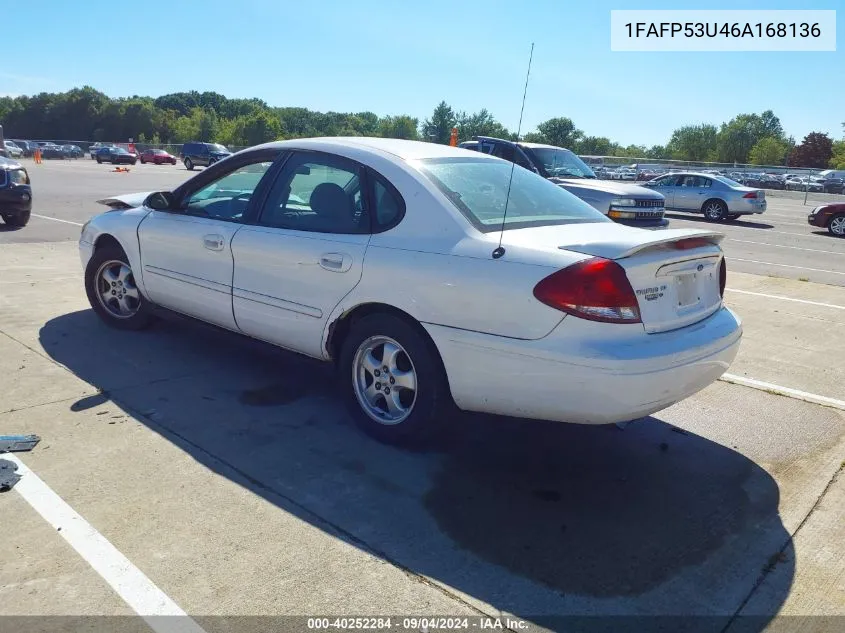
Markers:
<point>499,251</point>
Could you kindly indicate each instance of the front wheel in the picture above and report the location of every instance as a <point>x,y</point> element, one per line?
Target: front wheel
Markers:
<point>715,210</point>
<point>99,160</point>
<point>112,292</point>
<point>837,225</point>
<point>18,219</point>
<point>393,380</point>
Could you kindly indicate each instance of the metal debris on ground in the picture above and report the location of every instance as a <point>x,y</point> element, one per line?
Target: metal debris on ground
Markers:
<point>8,476</point>
<point>16,443</point>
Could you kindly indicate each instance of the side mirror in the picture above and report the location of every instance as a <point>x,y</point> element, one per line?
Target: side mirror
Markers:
<point>160,201</point>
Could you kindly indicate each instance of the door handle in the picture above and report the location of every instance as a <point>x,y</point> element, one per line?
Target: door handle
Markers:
<point>336,262</point>
<point>213,242</point>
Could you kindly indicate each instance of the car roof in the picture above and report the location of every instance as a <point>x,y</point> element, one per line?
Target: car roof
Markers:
<point>399,148</point>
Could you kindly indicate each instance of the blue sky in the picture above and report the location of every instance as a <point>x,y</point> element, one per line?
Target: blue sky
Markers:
<point>404,57</point>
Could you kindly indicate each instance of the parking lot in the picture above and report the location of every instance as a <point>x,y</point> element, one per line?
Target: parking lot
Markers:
<point>234,483</point>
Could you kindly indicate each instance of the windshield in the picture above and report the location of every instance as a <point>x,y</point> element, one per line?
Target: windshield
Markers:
<point>478,188</point>
<point>119,150</point>
<point>561,163</point>
<point>215,147</point>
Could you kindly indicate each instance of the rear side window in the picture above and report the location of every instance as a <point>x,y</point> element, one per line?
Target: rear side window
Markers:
<point>388,203</point>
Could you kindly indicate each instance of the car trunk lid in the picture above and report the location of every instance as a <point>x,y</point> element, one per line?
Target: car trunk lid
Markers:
<point>674,273</point>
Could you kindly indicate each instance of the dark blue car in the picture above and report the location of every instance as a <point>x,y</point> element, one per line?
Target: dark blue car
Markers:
<point>115,156</point>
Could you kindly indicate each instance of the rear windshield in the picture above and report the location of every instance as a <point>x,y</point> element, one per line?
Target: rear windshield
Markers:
<point>727,181</point>
<point>479,189</point>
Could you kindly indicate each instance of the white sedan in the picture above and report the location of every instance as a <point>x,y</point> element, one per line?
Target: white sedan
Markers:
<point>388,259</point>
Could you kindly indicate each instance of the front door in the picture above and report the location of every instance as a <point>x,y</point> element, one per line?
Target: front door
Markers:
<point>691,192</point>
<point>186,255</point>
<point>304,254</point>
<point>665,186</point>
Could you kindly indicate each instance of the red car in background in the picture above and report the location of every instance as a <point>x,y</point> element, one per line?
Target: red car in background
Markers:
<point>830,217</point>
<point>157,157</point>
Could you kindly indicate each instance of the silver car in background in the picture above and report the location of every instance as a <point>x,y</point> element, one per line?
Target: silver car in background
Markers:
<point>717,197</point>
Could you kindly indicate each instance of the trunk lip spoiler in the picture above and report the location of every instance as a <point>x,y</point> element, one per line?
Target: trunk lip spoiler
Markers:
<point>658,239</point>
<point>131,200</point>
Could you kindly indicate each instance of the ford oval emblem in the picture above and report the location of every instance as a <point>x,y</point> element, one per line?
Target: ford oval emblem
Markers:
<point>700,267</point>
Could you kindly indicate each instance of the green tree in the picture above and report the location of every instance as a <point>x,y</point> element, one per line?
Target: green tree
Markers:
<point>768,151</point>
<point>815,150</point>
<point>594,146</point>
<point>559,131</point>
<point>481,123</point>
<point>402,126</point>
<point>740,134</point>
<point>438,128</point>
<point>837,159</point>
<point>693,142</point>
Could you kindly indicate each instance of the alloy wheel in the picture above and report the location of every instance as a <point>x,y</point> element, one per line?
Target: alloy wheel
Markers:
<point>116,289</point>
<point>385,380</point>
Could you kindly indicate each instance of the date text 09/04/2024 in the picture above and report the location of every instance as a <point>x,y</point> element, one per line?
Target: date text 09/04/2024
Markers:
<point>715,29</point>
<point>416,623</point>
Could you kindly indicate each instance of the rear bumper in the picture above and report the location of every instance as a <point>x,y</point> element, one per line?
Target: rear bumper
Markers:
<point>585,372</point>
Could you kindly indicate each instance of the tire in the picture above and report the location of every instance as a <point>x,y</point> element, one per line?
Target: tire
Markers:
<point>714,210</point>
<point>133,162</point>
<point>189,164</point>
<point>143,162</point>
<point>99,161</point>
<point>836,226</point>
<point>420,412</point>
<point>138,313</point>
<point>732,216</point>
<point>17,220</point>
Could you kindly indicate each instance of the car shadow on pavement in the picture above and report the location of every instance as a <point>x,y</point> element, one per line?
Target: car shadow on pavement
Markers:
<point>537,519</point>
<point>697,218</point>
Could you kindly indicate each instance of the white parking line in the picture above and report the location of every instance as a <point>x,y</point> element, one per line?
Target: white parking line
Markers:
<point>783,391</point>
<point>129,582</point>
<point>47,217</point>
<point>780,298</point>
<point>817,270</point>
<point>796,248</point>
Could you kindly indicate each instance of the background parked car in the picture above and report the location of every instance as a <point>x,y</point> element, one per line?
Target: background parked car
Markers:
<point>96,147</point>
<point>15,193</point>
<point>156,157</point>
<point>26,146</point>
<point>195,154</point>
<point>72,151</point>
<point>12,149</point>
<point>717,197</point>
<point>829,216</point>
<point>50,150</point>
<point>116,156</point>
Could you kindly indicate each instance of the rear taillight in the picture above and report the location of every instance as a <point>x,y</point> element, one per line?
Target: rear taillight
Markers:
<point>723,277</point>
<point>750,194</point>
<point>595,289</point>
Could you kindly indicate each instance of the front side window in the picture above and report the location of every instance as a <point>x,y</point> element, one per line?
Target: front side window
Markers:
<point>478,188</point>
<point>318,193</point>
<point>227,198</point>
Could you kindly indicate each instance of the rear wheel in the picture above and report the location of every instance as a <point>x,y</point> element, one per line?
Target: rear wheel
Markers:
<point>393,380</point>
<point>715,210</point>
<point>18,219</point>
<point>189,164</point>
<point>112,292</point>
<point>837,225</point>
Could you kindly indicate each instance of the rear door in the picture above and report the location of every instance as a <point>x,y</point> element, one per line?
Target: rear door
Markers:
<point>304,254</point>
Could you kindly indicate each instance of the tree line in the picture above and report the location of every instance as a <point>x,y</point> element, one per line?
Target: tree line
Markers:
<point>87,114</point>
